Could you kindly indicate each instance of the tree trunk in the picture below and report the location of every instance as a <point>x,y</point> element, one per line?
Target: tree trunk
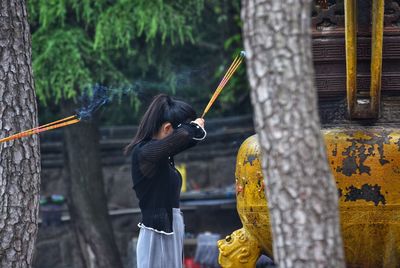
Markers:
<point>301,191</point>
<point>87,201</point>
<point>19,159</point>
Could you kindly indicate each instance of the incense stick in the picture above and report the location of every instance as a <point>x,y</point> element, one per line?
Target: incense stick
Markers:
<point>74,119</point>
<point>229,75</point>
<point>53,125</point>
<point>228,71</point>
<point>231,70</point>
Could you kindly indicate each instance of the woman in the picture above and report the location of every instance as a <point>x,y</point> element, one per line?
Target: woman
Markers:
<point>168,127</point>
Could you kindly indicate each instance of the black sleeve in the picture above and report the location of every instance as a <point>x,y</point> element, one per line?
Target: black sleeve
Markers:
<point>184,136</point>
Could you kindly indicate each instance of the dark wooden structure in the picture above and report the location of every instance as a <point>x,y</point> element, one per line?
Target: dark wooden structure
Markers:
<point>329,49</point>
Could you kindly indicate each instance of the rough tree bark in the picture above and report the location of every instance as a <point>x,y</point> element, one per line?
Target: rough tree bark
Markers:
<point>19,159</point>
<point>300,188</point>
<point>87,201</point>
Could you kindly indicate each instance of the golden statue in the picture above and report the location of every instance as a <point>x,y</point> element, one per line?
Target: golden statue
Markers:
<point>241,247</point>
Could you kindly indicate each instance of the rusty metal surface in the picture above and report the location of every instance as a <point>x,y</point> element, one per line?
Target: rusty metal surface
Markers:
<point>365,163</point>
<point>366,167</point>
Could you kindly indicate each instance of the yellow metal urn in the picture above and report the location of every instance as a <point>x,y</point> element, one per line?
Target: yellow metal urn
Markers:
<point>366,167</point>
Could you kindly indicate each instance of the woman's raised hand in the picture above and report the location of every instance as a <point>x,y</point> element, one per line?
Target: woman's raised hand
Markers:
<point>200,122</point>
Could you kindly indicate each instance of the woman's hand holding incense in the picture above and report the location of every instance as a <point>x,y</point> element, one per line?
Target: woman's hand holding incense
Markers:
<point>200,122</point>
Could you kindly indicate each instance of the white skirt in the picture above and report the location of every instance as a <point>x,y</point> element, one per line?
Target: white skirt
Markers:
<point>160,250</point>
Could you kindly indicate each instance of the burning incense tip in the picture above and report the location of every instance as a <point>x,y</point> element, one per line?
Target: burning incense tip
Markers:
<point>99,96</point>
<point>242,53</point>
<point>91,103</point>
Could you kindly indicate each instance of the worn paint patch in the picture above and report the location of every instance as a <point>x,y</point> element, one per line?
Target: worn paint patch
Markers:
<point>334,151</point>
<point>239,187</point>
<point>360,150</point>
<point>252,218</point>
<point>261,188</point>
<point>250,159</point>
<point>368,192</point>
<point>340,192</point>
<point>396,170</point>
<point>349,166</point>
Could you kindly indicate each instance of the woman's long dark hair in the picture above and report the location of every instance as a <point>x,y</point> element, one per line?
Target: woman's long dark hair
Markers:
<point>162,109</point>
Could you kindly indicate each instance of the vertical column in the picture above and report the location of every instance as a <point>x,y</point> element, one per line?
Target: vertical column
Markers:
<point>350,7</point>
<point>376,57</point>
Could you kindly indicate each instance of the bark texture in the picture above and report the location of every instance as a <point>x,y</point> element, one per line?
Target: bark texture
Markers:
<point>87,201</point>
<point>19,159</point>
<point>300,188</point>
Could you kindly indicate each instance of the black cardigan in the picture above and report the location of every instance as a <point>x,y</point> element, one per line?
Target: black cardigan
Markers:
<point>155,180</point>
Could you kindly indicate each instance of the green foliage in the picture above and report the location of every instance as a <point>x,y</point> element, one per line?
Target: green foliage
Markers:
<point>130,20</point>
<point>80,42</point>
<point>156,43</point>
<point>58,63</point>
<point>50,14</point>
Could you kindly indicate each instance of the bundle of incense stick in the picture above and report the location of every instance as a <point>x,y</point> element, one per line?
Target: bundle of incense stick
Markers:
<point>56,124</point>
<point>75,119</point>
<point>231,70</point>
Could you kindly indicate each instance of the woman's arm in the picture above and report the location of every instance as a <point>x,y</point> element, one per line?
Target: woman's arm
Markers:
<point>184,136</point>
